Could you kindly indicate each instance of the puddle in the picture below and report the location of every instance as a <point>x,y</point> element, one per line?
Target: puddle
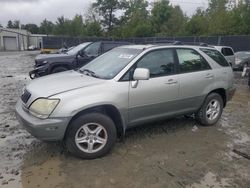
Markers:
<point>47,174</point>
<point>210,180</point>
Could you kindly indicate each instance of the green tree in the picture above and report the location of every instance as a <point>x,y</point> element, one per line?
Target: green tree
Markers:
<point>220,21</point>
<point>46,27</point>
<point>93,29</point>
<point>107,10</point>
<point>176,22</point>
<point>13,24</point>
<point>33,28</point>
<point>241,18</point>
<point>92,23</point>
<point>136,21</point>
<point>198,23</point>
<point>76,26</point>
<point>62,26</point>
<point>9,24</point>
<point>161,13</point>
<point>16,24</point>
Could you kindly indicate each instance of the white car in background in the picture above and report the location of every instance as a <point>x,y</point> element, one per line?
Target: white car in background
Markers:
<point>228,52</point>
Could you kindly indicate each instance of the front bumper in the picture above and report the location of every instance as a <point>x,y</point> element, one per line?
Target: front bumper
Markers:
<point>38,72</point>
<point>51,129</point>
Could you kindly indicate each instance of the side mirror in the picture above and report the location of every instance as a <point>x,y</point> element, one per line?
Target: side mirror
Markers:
<point>141,74</point>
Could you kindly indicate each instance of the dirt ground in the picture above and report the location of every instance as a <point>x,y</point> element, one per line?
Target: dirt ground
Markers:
<point>173,153</point>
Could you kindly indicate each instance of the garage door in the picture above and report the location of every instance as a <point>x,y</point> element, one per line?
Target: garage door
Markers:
<point>10,43</point>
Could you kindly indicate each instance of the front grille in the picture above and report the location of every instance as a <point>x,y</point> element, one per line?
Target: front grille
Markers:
<point>25,96</point>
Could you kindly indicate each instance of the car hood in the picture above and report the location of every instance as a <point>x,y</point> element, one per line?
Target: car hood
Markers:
<point>54,84</point>
<point>48,57</point>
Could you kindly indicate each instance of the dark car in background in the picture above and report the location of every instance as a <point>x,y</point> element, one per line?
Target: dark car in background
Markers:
<point>242,59</point>
<point>77,57</point>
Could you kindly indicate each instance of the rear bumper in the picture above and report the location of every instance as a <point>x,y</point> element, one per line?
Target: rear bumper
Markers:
<point>51,129</point>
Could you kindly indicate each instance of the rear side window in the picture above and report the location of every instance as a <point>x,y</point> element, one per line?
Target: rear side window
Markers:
<point>191,61</point>
<point>227,51</point>
<point>216,56</point>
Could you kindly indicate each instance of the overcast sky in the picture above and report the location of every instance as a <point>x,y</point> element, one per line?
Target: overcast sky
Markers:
<point>34,11</point>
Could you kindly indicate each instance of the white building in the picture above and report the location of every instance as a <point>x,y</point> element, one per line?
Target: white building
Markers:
<point>36,40</point>
<point>19,39</point>
<point>13,39</point>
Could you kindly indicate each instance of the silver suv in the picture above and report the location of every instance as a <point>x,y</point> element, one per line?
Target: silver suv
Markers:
<point>129,85</point>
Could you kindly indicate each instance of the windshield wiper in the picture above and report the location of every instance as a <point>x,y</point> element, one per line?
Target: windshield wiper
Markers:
<point>89,73</point>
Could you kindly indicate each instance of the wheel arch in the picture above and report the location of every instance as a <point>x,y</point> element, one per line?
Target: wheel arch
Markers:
<point>107,109</point>
<point>55,65</point>
<point>222,93</point>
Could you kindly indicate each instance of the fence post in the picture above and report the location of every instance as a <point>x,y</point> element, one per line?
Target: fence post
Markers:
<point>219,40</point>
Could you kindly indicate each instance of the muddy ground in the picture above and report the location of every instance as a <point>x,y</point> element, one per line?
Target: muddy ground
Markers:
<point>172,153</point>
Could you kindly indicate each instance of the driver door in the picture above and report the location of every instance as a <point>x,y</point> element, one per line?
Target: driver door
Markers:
<point>157,97</point>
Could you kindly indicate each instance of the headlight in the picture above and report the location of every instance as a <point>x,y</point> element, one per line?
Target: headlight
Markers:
<point>42,108</point>
<point>44,62</point>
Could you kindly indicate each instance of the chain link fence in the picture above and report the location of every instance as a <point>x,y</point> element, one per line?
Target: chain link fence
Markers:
<point>239,43</point>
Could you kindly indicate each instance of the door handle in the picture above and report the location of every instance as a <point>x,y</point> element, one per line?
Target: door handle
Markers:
<point>171,81</point>
<point>209,76</point>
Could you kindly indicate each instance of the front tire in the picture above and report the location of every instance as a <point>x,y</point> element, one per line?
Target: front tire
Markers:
<point>91,136</point>
<point>211,110</point>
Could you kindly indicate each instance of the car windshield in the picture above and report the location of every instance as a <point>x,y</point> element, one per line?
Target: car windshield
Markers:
<point>108,65</point>
<point>76,49</point>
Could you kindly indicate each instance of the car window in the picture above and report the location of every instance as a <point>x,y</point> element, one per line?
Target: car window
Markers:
<point>227,51</point>
<point>78,48</point>
<point>108,65</point>
<point>159,62</point>
<point>108,46</point>
<point>191,61</point>
<point>93,49</point>
<point>216,56</point>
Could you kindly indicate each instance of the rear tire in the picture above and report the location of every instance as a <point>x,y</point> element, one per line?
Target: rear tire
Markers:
<point>211,110</point>
<point>59,69</point>
<point>91,136</point>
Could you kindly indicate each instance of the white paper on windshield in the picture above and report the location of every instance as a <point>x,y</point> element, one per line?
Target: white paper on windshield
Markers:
<point>126,56</point>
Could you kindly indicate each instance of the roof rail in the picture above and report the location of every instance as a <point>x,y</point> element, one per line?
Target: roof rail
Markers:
<point>175,42</point>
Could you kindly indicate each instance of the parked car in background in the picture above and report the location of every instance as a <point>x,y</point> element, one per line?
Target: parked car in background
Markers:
<point>228,52</point>
<point>127,86</point>
<point>76,57</point>
<point>63,50</point>
<point>32,47</point>
<point>242,60</point>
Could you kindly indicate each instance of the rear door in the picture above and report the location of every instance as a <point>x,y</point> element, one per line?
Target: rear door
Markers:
<point>157,97</point>
<point>196,78</point>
